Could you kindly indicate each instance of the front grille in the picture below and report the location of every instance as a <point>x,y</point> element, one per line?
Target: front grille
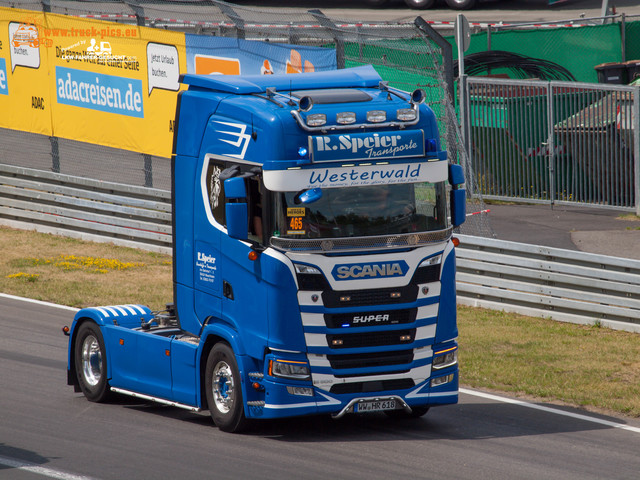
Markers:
<point>366,360</point>
<point>368,319</point>
<point>363,298</point>
<point>375,386</point>
<point>371,339</point>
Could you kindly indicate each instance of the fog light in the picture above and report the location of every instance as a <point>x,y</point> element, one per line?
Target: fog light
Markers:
<point>303,391</point>
<point>346,118</point>
<point>316,119</point>
<point>445,358</point>
<point>376,116</point>
<point>442,380</point>
<point>406,114</point>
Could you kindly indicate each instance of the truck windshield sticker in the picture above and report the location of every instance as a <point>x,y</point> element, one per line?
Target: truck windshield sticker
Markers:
<point>354,271</point>
<point>352,176</point>
<point>367,146</point>
<point>296,211</point>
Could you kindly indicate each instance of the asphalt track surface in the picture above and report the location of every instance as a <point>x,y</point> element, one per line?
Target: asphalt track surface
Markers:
<point>48,431</point>
<point>591,230</point>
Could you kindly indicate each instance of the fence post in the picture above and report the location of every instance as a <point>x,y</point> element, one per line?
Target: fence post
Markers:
<point>636,148</point>
<point>138,11</point>
<point>148,170</point>
<point>446,50</point>
<point>234,17</point>
<point>55,155</point>
<point>324,21</point>
<point>623,37</point>
<point>550,144</point>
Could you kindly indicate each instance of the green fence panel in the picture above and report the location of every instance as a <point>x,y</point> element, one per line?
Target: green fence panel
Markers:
<point>577,49</point>
<point>632,40</point>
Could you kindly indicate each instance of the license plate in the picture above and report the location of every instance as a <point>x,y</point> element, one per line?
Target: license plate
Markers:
<point>375,406</point>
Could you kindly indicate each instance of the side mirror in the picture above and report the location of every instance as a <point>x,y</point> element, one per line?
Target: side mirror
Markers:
<point>458,195</point>
<point>236,210</point>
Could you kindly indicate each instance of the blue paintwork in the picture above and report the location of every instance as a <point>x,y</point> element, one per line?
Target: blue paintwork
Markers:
<point>254,304</point>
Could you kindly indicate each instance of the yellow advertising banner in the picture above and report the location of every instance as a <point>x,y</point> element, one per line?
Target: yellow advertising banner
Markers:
<point>25,102</point>
<point>93,81</point>
<point>115,84</point>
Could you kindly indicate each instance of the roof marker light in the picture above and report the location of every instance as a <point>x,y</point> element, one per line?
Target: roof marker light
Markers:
<point>376,116</point>
<point>346,118</point>
<point>316,119</point>
<point>406,114</point>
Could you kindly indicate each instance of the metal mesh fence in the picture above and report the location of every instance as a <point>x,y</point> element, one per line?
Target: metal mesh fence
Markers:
<point>407,55</point>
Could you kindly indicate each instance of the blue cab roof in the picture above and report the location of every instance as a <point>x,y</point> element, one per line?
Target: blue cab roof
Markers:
<point>356,77</point>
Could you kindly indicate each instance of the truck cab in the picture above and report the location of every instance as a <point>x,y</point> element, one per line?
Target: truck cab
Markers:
<point>314,264</point>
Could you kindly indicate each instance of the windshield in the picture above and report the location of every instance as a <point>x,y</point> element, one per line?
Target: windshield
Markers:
<point>361,211</point>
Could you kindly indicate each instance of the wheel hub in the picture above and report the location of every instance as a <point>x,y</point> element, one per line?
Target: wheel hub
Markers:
<point>223,387</point>
<point>91,360</point>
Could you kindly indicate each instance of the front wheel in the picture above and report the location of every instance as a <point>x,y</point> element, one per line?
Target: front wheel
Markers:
<point>91,363</point>
<point>223,389</point>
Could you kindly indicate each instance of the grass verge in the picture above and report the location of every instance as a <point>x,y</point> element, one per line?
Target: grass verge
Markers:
<point>589,367</point>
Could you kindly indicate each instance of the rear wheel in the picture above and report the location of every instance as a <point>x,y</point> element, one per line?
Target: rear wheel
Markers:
<point>224,390</point>
<point>91,363</point>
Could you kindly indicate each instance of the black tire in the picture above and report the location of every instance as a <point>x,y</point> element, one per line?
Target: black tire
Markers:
<point>420,4</point>
<point>224,389</point>
<point>91,363</point>
<point>416,412</point>
<point>461,4</point>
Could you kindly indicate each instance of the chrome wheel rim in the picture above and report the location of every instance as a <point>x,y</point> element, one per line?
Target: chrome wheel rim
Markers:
<point>223,387</point>
<point>91,360</point>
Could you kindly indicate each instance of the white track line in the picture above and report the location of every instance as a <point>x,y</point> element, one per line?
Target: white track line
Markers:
<point>38,302</point>
<point>555,411</point>
<point>47,472</point>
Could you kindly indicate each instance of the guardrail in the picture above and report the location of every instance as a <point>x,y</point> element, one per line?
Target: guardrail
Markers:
<point>84,208</point>
<point>564,285</point>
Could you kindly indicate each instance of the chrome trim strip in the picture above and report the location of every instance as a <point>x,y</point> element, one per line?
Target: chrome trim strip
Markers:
<point>382,242</point>
<point>155,399</point>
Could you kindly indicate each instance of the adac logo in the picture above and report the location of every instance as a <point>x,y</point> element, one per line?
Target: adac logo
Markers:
<point>355,271</point>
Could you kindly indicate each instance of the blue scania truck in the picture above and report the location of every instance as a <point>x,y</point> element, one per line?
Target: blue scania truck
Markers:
<point>313,258</point>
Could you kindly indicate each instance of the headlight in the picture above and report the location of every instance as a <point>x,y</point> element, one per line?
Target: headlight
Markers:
<point>300,268</point>
<point>445,358</point>
<point>289,369</point>
<point>435,260</point>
